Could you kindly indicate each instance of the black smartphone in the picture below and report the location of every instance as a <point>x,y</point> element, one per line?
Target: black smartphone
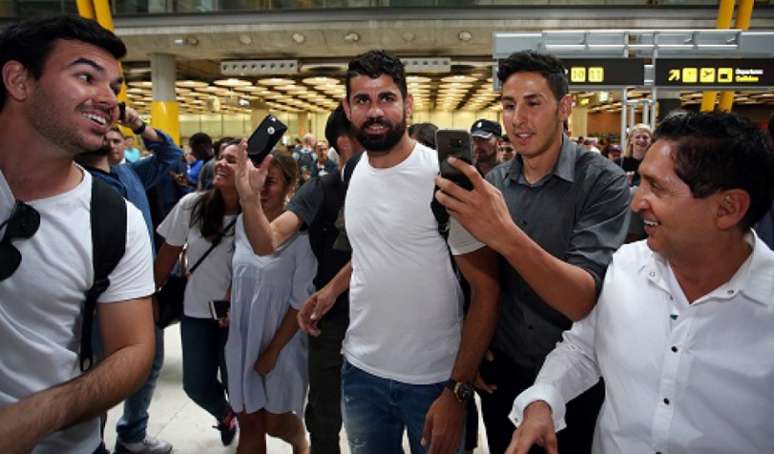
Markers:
<point>122,112</point>
<point>219,309</point>
<point>457,143</point>
<point>264,138</point>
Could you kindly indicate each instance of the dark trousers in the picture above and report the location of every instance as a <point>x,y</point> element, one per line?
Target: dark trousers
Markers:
<point>323,409</point>
<point>581,416</point>
<point>203,342</point>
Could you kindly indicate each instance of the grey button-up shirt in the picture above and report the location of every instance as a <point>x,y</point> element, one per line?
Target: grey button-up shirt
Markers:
<point>577,213</point>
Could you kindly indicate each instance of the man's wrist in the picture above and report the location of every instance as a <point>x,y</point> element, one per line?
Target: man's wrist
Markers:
<point>538,406</point>
<point>139,129</point>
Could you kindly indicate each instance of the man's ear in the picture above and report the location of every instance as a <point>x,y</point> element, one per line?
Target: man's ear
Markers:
<point>16,79</point>
<point>565,106</point>
<point>733,205</point>
<point>409,106</point>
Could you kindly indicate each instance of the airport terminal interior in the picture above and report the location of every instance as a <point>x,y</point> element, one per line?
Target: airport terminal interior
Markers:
<point>220,66</point>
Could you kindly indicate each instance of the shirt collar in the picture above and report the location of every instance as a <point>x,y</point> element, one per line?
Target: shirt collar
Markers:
<point>755,278</point>
<point>564,167</point>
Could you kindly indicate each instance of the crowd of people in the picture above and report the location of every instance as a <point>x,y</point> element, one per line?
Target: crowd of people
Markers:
<point>596,300</point>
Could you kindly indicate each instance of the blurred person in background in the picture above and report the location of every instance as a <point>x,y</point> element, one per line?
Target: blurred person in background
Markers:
<point>485,134</point>
<point>131,153</point>
<point>640,138</point>
<point>322,165</point>
<point>505,149</point>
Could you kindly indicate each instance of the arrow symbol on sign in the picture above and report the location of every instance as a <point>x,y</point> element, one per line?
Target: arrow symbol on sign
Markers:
<point>674,74</point>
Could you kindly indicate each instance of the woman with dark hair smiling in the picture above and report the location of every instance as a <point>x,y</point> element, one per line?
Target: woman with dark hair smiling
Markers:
<point>203,222</point>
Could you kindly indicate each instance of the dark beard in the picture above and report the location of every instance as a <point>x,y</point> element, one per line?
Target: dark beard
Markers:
<point>383,142</point>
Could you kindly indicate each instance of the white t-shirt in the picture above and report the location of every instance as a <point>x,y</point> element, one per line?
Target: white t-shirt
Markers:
<point>212,278</point>
<point>41,303</point>
<point>405,302</point>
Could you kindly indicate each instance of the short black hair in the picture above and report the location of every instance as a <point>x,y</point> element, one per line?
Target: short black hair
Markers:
<point>337,126</point>
<point>201,145</point>
<point>717,151</point>
<point>550,67</point>
<point>31,41</point>
<point>374,64</point>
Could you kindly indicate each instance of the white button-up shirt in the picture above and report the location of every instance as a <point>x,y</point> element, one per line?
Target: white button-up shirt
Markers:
<point>679,378</point>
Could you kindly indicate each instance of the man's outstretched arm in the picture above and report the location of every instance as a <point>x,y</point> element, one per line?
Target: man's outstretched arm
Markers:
<point>444,420</point>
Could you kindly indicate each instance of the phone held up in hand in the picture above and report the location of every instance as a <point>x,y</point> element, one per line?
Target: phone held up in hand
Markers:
<point>264,138</point>
<point>457,143</point>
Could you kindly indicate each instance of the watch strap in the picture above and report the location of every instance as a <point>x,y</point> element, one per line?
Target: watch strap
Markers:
<point>140,129</point>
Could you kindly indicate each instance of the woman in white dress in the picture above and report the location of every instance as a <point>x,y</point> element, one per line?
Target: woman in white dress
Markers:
<point>266,354</point>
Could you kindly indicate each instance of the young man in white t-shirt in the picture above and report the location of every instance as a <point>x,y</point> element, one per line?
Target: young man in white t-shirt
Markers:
<point>60,77</point>
<point>410,363</point>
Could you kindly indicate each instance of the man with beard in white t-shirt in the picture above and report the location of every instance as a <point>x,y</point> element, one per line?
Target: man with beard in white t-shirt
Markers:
<point>410,362</point>
<point>60,77</point>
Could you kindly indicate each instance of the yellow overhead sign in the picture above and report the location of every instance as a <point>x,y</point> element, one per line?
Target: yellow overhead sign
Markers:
<point>742,72</point>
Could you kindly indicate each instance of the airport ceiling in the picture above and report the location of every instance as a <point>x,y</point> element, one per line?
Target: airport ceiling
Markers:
<point>321,42</point>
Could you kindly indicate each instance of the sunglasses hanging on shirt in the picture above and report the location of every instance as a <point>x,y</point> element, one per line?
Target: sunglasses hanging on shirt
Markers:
<point>22,224</point>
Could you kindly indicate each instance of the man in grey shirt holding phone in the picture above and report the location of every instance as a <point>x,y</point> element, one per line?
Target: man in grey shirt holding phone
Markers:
<point>555,215</point>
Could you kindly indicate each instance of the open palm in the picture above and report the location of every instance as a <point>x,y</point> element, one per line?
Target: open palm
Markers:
<point>250,179</point>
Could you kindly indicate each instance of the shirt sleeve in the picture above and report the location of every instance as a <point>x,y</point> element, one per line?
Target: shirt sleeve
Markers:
<point>303,274</point>
<point>307,201</point>
<point>174,228</point>
<point>164,155</point>
<point>601,225</point>
<point>133,275</point>
<point>460,240</point>
<point>568,370</point>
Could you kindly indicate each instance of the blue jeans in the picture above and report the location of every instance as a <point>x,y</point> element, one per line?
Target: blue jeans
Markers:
<point>203,342</point>
<point>377,410</point>
<point>132,425</point>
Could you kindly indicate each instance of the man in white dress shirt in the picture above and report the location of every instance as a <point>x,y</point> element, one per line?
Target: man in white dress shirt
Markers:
<point>682,332</point>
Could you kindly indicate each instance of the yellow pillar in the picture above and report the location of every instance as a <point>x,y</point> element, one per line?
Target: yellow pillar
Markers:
<point>725,14</point>
<point>85,9</point>
<point>743,16</point>
<point>303,120</point>
<point>165,114</point>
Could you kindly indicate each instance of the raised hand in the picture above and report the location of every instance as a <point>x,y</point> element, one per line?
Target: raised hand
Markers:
<point>249,179</point>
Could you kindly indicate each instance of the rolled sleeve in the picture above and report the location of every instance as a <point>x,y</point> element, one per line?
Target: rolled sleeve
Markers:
<point>307,201</point>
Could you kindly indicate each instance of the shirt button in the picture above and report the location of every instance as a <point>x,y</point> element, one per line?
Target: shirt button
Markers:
<point>673,316</point>
<point>652,274</point>
<point>666,401</point>
<point>730,292</point>
<point>674,349</point>
<point>671,298</point>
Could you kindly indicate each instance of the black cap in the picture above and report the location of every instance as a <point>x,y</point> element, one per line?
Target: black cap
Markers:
<point>485,129</point>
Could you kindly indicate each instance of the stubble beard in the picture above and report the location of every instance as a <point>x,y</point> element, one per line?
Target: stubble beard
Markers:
<point>47,121</point>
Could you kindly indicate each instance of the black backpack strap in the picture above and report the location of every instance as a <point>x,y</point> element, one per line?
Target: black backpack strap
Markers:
<point>108,243</point>
<point>215,244</point>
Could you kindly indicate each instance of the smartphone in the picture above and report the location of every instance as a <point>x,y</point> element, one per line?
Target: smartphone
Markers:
<point>457,143</point>
<point>122,112</point>
<point>264,138</point>
<point>219,309</point>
